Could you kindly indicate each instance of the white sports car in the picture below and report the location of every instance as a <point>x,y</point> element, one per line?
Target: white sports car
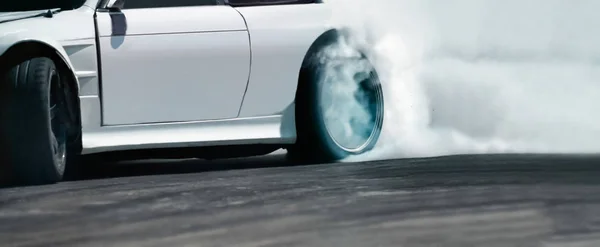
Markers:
<point>178,78</point>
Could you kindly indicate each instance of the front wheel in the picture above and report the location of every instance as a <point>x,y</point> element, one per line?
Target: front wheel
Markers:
<point>33,123</point>
<point>339,108</point>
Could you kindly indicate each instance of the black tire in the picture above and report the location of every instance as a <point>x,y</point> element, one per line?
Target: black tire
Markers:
<point>316,142</point>
<point>33,125</point>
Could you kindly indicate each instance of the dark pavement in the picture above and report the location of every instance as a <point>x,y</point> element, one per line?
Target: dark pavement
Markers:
<point>484,200</point>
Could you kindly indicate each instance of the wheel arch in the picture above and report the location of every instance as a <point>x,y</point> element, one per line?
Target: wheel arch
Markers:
<point>323,40</point>
<point>326,38</point>
<point>24,48</point>
<point>28,48</point>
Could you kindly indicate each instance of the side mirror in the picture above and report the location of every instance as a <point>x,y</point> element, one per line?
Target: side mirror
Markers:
<point>115,5</point>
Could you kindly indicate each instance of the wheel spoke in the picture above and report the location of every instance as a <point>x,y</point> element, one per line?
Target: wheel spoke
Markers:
<point>57,122</point>
<point>53,112</point>
<point>351,105</point>
<point>55,144</point>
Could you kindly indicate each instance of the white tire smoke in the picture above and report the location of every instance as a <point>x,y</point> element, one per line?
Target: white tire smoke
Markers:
<point>482,76</point>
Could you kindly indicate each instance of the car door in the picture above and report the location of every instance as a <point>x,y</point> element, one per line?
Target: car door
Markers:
<point>282,32</point>
<point>172,61</point>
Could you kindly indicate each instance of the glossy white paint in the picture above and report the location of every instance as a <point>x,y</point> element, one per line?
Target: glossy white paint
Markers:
<point>276,129</point>
<point>90,114</point>
<point>260,130</point>
<point>281,35</point>
<point>173,20</point>
<point>82,54</point>
<point>195,76</point>
<point>91,3</point>
<point>173,64</point>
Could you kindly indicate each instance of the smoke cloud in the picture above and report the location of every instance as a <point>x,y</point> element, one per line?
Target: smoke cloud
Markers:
<point>482,76</point>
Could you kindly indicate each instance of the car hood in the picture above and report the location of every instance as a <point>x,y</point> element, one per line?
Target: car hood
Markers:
<point>13,16</point>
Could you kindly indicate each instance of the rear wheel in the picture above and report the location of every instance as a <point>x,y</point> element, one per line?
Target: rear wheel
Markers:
<point>33,123</point>
<point>339,107</point>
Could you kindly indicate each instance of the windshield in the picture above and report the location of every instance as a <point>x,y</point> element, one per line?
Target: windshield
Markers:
<point>28,5</point>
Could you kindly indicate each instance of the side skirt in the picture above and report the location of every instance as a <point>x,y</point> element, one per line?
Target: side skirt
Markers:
<point>239,131</point>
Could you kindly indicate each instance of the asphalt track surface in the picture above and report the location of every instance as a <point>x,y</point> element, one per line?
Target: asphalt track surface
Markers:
<point>484,200</point>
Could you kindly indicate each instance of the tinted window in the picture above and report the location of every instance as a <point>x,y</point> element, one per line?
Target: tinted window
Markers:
<point>141,4</point>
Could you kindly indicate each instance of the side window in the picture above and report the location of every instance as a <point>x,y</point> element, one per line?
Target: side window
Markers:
<point>241,3</point>
<point>144,4</point>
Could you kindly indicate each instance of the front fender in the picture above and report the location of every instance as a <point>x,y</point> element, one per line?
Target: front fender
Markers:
<point>11,39</point>
<point>14,40</point>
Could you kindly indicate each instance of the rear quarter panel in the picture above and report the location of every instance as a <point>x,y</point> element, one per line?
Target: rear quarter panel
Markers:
<point>280,38</point>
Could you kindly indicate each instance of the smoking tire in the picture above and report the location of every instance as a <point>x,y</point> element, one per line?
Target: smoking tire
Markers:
<point>339,109</point>
<point>32,123</point>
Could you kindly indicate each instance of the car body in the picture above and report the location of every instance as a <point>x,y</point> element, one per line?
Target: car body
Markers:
<point>175,73</point>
